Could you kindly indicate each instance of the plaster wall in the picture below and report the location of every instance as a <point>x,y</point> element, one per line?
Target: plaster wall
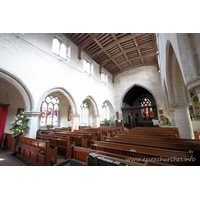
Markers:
<point>29,57</point>
<point>146,77</point>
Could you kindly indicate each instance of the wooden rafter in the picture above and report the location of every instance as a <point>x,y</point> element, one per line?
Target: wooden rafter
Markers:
<point>119,45</point>
<point>120,51</point>
<point>114,43</point>
<point>136,58</point>
<point>127,51</point>
<point>87,41</point>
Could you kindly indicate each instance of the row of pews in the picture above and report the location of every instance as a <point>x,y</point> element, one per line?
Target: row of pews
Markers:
<point>141,146</point>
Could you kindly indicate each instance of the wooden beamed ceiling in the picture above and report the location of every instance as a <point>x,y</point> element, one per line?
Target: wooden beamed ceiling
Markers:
<point>117,52</point>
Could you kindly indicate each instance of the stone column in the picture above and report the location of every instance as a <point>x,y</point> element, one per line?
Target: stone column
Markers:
<point>112,119</point>
<point>183,120</point>
<point>173,117</point>
<point>34,118</point>
<point>97,121</point>
<point>74,122</point>
<point>197,90</point>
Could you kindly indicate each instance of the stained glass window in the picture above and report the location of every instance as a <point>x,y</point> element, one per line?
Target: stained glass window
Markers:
<point>145,102</point>
<point>147,111</point>
<point>50,111</point>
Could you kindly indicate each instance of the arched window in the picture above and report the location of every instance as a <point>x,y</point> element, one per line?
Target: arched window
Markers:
<point>87,67</point>
<point>195,107</point>
<point>84,114</point>
<point>63,51</point>
<point>56,46</point>
<point>105,114</point>
<point>50,111</point>
<point>59,48</point>
<point>104,77</point>
<point>146,109</point>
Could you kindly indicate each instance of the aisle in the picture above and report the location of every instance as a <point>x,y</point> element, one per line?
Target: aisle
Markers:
<point>6,159</point>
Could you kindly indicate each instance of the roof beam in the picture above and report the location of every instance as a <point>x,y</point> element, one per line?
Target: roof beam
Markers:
<point>126,51</point>
<point>136,58</point>
<point>119,45</point>
<point>139,52</point>
<point>106,53</point>
<point>115,42</point>
<point>87,41</point>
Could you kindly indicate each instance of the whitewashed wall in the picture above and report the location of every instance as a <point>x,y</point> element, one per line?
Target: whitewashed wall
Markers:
<point>29,58</point>
<point>146,77</point>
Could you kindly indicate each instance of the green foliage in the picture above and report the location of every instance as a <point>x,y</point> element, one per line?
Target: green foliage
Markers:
<point>106,121</point>
<point>49,125</point>
<point>166,122</point>
<point>19,125</point>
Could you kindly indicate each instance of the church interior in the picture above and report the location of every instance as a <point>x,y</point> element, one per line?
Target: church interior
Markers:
<point>100,99</point>
<point>108,84</point>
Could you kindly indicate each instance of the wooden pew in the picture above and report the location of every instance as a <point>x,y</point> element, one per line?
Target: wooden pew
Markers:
<point>157,134</point>
<point>78,139</point>
<point>81,154</point>
<point>137,151</point>
<point>82,127</point>
<point>100,132</point>
<point>155,130</point>
<point>60,143</point>
<point>87,136</point>
<point>167,143</point>
<point>164,139</point>
<point>8,141</point>
<point>36,152</point>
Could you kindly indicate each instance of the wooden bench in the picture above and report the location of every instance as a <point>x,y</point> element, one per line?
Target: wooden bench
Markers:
<point>142,152</point>
<point>82,127</point>
<point>160,134</point>
<point>100,132</point>
<point>97,134</point>
<point>82,154</point>
<point>8,141</point>
<point>63,144</point>
<point>36,152</point>
<point>78,139</point>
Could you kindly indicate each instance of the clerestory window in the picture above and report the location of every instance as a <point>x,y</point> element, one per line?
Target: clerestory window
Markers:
<point>60,49</point>
<point>104,77</point>
<point>87,67</point>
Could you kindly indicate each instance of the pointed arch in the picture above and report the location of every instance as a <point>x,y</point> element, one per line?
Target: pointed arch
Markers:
<point>139,85</point>
<point>65,93</point>
<point>94,104</point>
<point>111,106</point>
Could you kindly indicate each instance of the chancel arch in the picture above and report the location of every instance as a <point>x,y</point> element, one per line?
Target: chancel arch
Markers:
<point>138,107</point>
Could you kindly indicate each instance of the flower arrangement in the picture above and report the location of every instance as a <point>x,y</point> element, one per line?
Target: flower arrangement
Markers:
<point>106,121</point>
<point>19,125</point>
<point>49,126</point>
<point>166,122</point>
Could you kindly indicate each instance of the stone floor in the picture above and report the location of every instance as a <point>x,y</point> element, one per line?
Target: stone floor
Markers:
<point>6,159</point>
